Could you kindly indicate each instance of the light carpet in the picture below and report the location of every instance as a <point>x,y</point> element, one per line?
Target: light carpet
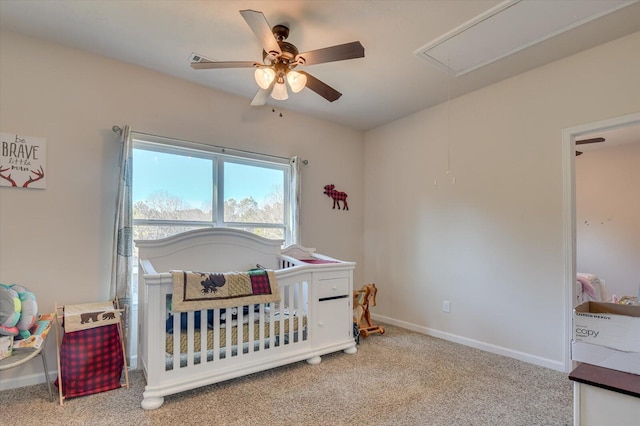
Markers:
<point>399,378</point>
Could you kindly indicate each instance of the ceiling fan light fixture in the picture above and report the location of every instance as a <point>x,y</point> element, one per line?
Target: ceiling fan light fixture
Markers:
<point>280,92</point>
<point>279,58</point>
<point>264,77</point>
<point>297,81</point>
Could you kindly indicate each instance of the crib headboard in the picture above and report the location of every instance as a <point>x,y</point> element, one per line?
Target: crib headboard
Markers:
<point>210,250</point>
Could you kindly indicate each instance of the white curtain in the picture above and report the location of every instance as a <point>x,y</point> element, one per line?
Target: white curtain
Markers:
<point>294,197</point>
<point>121,267</point>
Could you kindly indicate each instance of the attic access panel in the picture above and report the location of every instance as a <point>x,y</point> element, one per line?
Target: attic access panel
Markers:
<point>510,27</point>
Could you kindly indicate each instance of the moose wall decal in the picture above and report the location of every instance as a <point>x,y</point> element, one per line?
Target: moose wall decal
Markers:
<point>337,196</point>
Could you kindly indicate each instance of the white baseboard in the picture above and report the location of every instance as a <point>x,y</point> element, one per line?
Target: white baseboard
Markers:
<point>38,378</point>
<point>29,380</point>
<point>487,347</point>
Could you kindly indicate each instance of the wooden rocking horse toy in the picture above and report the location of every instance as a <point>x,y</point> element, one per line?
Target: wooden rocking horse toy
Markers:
<point>363,299</point>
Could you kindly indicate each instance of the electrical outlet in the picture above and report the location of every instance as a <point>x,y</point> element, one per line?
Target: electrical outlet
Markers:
<point>445,306</point>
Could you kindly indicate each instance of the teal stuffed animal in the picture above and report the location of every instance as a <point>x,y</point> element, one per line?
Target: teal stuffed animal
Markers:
<point>18,311</point>
<point>29,312</point>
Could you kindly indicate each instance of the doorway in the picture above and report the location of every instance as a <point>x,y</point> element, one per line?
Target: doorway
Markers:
<point>569,137</point>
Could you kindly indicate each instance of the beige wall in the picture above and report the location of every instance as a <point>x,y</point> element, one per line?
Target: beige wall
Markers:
<point>492,242</point>
<point>608,216</point>
<point>57,242</point>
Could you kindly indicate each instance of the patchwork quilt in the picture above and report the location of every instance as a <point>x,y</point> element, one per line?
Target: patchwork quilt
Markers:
<point>194,291</point>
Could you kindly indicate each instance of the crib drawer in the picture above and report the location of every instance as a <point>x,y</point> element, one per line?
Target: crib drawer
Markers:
<point>329,289</point>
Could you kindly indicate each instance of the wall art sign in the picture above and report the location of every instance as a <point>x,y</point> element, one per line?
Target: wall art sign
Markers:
<point>23,161</point>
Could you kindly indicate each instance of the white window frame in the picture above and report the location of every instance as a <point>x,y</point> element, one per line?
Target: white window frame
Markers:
<point>219,156</point>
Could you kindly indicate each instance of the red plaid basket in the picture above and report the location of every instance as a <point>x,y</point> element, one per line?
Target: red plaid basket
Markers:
<point>91,361</point>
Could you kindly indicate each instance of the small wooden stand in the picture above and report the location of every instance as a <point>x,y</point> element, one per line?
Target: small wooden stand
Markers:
<point>363,299</point>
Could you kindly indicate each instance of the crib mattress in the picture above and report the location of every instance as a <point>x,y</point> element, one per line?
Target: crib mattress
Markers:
<point>222,335</point>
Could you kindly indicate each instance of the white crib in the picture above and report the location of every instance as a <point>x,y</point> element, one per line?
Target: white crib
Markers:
<point>313,316</point>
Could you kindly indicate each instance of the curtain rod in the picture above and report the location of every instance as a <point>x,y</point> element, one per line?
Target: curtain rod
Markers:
<point>117,129</point>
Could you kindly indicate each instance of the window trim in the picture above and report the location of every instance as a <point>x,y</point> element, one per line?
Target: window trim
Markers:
<point>219,155</point>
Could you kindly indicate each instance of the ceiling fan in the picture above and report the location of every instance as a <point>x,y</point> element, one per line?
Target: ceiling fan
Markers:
<point>280,59</point>
<point>586,141</point>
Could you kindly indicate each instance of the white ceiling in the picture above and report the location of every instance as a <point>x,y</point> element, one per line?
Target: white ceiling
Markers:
<point>389,83</point>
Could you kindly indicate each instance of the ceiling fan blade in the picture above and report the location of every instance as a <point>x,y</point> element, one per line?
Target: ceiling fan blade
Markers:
<point>260,27</point>
<point>322,89</point>
<point>207,65</point>
<point>262,95</point>
<point>593,140</point>
<point>331,54</point>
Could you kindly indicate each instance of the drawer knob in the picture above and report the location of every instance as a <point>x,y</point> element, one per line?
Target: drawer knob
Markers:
<point>320,323</point>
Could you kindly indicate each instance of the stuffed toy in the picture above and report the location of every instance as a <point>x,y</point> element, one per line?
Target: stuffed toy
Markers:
<point>29,313</point>
<point>10,308</point>
<point>18,311</point>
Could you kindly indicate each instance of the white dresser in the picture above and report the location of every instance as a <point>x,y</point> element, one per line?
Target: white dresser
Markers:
<point>605,397</point>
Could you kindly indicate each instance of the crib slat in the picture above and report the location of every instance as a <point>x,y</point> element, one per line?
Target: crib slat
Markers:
<point>300,311</point>
<point>175,362</point>
<point>272,320</point>
<point>216,335</point>
<point>305,307</point>
<point>291,311</point>
<point>204,326</point>
<point>229,330</point>
<point>240,331</point>
<point>261,328</point>
<point>251,325</point>
<point>281,318</point>
<point>190,338</point>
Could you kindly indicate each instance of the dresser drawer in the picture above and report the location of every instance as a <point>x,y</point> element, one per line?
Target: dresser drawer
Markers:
<point>332,288</point>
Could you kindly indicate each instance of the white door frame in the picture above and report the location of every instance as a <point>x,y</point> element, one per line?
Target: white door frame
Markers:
<point>569,136</point>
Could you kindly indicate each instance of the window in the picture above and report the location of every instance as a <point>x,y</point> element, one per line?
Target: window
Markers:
<point>180,186</point>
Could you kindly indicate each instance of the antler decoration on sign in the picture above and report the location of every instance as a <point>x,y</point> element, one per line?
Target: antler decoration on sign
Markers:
<point>7,177</point>
<point>39,175</point>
